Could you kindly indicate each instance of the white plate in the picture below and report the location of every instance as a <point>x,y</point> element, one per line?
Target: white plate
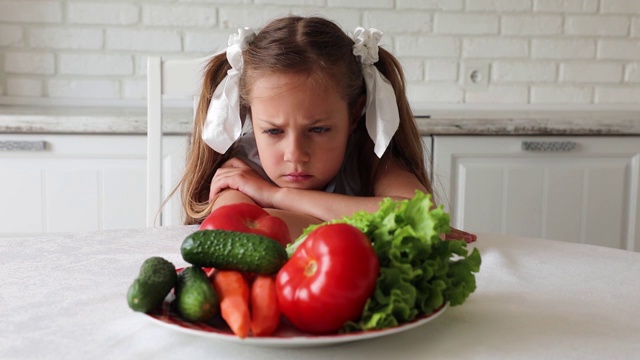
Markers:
<point>286,336</point>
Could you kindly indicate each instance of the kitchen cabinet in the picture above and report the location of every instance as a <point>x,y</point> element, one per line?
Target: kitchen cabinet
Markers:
<point>61,183</point>
<point>578,189</point>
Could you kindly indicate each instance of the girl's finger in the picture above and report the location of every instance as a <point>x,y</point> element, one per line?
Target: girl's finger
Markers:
<point>218,183</point>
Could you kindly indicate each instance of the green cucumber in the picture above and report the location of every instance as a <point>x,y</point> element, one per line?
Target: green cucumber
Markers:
<point>154,282</point>
<point>232,250</point>
<point>196,299</point>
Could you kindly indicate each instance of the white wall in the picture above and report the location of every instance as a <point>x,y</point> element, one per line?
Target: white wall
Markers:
<point>533,51</point>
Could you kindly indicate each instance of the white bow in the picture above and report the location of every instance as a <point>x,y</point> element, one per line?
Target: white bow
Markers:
<point>382,117</point>
<point>223,125</point>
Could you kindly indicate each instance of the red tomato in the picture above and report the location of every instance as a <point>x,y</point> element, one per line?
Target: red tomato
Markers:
<point>248,218</point>
<point>328,279</point>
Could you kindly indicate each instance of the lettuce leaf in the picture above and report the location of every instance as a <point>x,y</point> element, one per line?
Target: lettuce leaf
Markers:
<point>419,272</point>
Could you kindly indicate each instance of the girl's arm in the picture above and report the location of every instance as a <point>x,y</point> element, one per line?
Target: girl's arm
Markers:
<point>300,208</point>
<point>396,183</point>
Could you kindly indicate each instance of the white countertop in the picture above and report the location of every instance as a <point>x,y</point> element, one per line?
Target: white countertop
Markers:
<point>531,122</point>
<point>88,120</point>
<point>115,120</point>
<point>64,296</point>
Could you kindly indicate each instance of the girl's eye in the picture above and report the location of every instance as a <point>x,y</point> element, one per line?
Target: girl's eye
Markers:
<point>319,129</point>
<point>272,131</point>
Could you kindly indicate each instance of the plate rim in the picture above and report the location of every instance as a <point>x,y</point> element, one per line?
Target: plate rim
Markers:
<point>302,339</point>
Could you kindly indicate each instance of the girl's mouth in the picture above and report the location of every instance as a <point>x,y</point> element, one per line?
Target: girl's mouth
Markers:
<point>297,177</point>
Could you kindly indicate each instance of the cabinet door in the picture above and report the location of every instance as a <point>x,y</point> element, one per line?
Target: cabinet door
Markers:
<point>588,194</point>
<point>71,183</point>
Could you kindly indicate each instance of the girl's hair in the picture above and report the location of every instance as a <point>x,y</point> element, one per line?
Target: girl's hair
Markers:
<point>306,45</point>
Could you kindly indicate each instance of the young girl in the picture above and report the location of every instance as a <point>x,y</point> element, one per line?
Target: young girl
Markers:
<point>328,130</point>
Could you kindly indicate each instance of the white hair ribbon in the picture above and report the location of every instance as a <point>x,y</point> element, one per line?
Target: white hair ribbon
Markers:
<point>382,117</point>
<point>223,125</point>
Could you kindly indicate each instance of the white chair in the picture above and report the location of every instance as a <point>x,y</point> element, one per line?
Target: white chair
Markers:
<point>166,78</point>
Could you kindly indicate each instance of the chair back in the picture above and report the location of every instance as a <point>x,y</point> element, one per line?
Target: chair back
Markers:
<point>166,78</point>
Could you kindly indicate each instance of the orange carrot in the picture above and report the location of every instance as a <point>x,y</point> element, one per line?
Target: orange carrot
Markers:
<point>265,313</point>
<point>233,290</point>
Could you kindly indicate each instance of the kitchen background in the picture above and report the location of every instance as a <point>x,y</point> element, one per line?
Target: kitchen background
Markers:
<point>529,109</point>
<point>496,52</point>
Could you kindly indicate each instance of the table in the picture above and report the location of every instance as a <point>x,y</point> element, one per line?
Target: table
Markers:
<point>64,296</point>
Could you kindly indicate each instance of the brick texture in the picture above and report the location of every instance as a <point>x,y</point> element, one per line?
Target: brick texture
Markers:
<point>24,87</point>
<point>21,11</point>
<point>537,51</point>
<point>29,63</point>
<point>566,6</point>
<point>531,25</point>
<point>66,38</point>
<point>102,13</point>
<point>11,35</point>
<point>632,73</point>
<point>179,15</point>
<point>95,64</point>
<point>600,72</point>
<point>546,94</point>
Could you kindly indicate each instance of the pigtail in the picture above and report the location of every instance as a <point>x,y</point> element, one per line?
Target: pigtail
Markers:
<point>406,145</point>
<point>195,183</point>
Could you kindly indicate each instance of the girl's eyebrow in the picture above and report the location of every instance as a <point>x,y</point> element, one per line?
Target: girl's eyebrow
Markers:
<point>310,123</point>
<point>267,122</point>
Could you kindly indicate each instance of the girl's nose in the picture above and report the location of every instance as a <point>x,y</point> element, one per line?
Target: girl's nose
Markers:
<point>296,150</point>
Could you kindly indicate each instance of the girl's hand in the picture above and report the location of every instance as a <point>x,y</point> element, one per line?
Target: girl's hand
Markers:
<point>236,174</point>
<point>456,234</point>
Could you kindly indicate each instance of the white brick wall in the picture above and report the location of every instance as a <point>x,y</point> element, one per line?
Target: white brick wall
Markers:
<point>620,7</point>
<point>619,49</point>
<point>566,48</point>
<point>537,51</point>
<point>499,5</point>
<point>474,24</point>
<point>11,35</point>
<point>30,63</point>
<point>431,4</point>
<point>546,94</point>
<point>28,11</point>
<point>95,64</point>
<point>597,25</point>
<point>66,38</point>
<point>413,70</point>
<point>24,87</point>
<point>602,72</point>
<point>62,88</point>
<point>495,48</point>
<point>632,73</point>
<point>102,13</point>
<point>178,15</point>
<point>445,71</point>
<point>398,21</point>
<point>524,72</point>
<point>531,25</point>
<point>498,94</point>
<point>566,6</point>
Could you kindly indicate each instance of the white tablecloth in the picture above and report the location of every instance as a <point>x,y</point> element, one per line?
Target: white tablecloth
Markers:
<point>64,296</point>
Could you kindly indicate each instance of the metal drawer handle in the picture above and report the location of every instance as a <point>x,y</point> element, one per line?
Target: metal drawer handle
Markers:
<point>548,146</point>
<point>9,145</point>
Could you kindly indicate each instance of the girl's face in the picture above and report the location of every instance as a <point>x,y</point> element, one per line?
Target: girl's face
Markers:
<point>301,127</point>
